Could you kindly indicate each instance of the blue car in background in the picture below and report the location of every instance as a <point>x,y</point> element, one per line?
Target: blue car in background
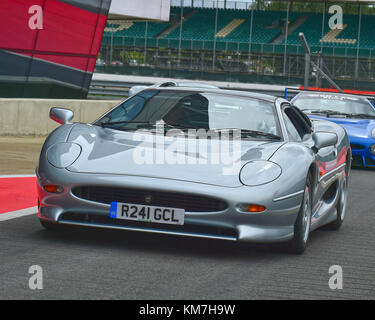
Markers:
<point>355,113</point>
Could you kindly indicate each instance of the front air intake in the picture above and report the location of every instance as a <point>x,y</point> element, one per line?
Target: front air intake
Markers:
<point>189,202</point>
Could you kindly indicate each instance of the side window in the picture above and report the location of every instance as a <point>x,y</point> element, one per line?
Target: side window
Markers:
<point>299,121</point>
<point>130,108</point>
<point>292,131</point>
<point>304,117</point>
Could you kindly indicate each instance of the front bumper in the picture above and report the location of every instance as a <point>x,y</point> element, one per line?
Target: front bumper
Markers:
<point>276,224</point>
<point>361,152</point>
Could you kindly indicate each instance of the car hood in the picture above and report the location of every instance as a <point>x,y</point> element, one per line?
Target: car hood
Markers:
<point>354,127</point>
<point>107,151</point>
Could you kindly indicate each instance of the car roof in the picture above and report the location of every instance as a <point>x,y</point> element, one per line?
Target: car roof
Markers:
<point>235,93</point>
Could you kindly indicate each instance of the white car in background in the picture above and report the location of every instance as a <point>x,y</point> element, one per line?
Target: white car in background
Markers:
<point>136,89</point>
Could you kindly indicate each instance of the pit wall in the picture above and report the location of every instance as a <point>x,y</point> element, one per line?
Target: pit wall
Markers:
<point>22,117</point>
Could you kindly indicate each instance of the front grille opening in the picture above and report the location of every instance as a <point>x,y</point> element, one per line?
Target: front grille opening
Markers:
<point>357,146</point>
<point>189,202</point>
<point>188,228</point>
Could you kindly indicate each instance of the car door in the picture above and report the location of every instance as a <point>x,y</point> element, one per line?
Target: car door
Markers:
<point>300,129</point>
<point>331,163</point>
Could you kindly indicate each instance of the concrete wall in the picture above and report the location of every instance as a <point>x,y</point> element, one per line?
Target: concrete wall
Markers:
<point>31,116</point>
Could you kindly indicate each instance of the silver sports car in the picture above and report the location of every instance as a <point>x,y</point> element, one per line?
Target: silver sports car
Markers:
<point>204,163</point>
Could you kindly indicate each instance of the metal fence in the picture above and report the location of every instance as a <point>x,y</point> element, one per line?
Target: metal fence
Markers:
<point>265,59</point>
<point>115,42</point>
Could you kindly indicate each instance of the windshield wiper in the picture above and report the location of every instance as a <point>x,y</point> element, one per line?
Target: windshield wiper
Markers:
<point>105,124</point>
<point>253,133</point>
<point>168,125</point>
<point>328,113</point>
<point>362,115</point>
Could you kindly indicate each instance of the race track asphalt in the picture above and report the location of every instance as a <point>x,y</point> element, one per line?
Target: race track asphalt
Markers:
<point>98,264</point>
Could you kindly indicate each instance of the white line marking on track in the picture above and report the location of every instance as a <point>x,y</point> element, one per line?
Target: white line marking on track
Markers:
<point>17,175</point>
<point>18,213</point>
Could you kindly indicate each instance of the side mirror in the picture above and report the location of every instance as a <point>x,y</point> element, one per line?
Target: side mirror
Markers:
<point>323,139</point>
<point>60,115</point>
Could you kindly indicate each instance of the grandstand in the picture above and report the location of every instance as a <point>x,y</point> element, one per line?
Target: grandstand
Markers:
<point>216,33</point>
<point>266,26</point>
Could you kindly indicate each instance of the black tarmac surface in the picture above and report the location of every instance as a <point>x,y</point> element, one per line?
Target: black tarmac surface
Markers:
<point>101,264</point>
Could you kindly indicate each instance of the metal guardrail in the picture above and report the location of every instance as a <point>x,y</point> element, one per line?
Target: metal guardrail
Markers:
<point>109,89</point>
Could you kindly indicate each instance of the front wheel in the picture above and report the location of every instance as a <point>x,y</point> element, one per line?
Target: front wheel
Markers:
<point>341,206</point>
<point>303,222</point>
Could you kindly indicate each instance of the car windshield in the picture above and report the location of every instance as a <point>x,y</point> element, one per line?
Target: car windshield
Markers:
<point>196,110</point>
<point>334,105</point>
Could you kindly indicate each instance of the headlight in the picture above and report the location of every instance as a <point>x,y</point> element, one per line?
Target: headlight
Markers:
<point>373,133</point>
<point>62,155</point>
<point>259,172</point>
<point>372,149</point>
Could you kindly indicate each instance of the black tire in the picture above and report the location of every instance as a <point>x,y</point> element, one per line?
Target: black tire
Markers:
<point>341,206</point>
<point>301,234</point>
<point>49,225</point>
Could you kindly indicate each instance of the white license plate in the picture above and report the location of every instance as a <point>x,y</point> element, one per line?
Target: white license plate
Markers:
<point>137,212</point>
